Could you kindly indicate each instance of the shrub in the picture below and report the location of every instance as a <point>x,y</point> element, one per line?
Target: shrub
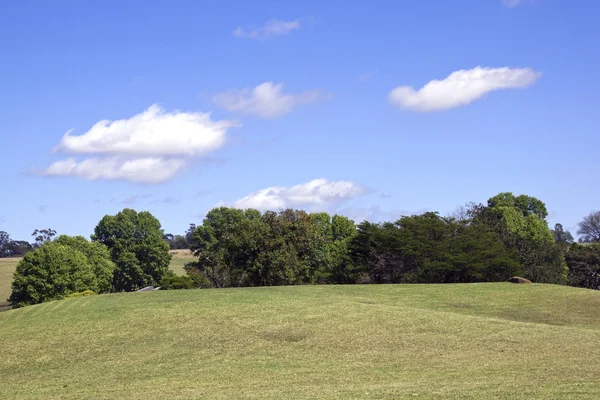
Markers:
<point>81,294</point>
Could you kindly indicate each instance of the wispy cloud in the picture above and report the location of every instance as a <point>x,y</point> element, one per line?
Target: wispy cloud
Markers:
<point>141,170</point>
<point>461,87</point>
<point>514,3</point>
<point>273,27</point>
<point>201,193</point>
<point>135,198</point>
<point>150,147</point>
<point>266,100</point>
<point>319,193</point>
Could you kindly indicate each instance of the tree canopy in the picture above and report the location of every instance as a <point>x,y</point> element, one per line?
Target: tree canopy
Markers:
<point>136,245</point>
<point>59,268</point>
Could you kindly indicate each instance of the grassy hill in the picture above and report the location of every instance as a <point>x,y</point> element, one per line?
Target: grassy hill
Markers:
<point>469,341</point>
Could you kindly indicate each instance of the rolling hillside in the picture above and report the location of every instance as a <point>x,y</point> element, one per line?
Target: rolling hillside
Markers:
<point>469,341</point>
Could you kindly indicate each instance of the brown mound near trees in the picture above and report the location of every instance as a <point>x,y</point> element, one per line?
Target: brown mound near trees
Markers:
<point>518,279</point>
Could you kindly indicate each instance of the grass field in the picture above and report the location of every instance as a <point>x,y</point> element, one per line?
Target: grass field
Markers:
<point>469,341</point>
<point>180,258</point>
<point>8,265</point>
<point>7,268</point>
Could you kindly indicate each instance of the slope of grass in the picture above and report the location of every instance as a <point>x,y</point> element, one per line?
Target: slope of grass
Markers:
<point>472,341</point>
<point>7,268</point>
<point>179,259</point>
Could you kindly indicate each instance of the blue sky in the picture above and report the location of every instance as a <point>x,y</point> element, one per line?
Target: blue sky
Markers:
<point>303,104</point>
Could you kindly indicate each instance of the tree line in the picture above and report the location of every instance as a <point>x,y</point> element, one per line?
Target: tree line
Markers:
<point>508,236</point>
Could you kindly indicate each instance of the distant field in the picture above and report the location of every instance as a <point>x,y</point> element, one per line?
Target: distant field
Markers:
<point>7,268</point>
<point>461,341</point>
<point>8,265</point>
<point>180,258</point>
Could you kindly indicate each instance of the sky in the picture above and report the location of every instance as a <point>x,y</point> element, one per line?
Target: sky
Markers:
<point>370,109</point>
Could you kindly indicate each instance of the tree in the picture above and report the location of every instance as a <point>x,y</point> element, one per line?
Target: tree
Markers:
<point>42,236</point>
<point>176,242</point>
<point>563,238</point>
<point>55,270</point>
<point>520,222</point>
<point>589,228</point>
<point>98,257</point>
<point>189,234</point>
<point>584,265</point>
<point>5,245</point>
<point>136,244</point>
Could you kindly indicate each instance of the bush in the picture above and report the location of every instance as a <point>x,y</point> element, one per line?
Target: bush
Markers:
<point>80,294</point>
<point>51,272</point>
<point>192,280</point>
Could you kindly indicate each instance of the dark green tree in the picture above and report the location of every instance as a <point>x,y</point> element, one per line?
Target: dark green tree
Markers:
<point>136,244</point>
<point>583,261</point>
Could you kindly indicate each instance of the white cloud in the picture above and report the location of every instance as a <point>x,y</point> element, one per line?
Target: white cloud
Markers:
<point>142,170</point>
<point>266,100</point>
<point>461,87</point>
<point>151,132</point>
<point>272,27</point>
<point>318,193</point>
<point>150,147</point>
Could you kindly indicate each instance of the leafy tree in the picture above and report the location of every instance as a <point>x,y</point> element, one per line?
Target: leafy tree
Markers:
<point>520,222</point>
<point>136,244</point>
<point>13,248</point>
<point>42,236</point>
<point>430,249</point>
<point>563,238</point>
<point>51,272</point>
<point>176,242</point>
<point>584,265</point>
<point>5,245</point>
<point>98,257</point>
<point>589,228</point>
<point>189,235</point>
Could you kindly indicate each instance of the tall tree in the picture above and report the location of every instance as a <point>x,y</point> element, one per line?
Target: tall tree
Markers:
<point>589,228</point>
<point>584,265</point>
<point>563,238</point>
<point>137,247</point>
<point>520,222</point>
<point>42,236</point>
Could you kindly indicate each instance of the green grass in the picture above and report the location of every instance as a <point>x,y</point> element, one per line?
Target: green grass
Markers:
<point>7,268</point>
<point>470,341</point>
<point>180,258</point>
<point>8,265</point>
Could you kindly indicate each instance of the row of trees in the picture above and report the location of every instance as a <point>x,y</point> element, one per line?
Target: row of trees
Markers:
<point>479,243</point>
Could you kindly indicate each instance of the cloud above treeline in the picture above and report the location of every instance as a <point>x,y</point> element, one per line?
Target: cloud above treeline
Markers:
<point>461,88</point>
<point>150,147</point>
<point>318,193</point>
<point>266,100</point>
<point>271,28</point>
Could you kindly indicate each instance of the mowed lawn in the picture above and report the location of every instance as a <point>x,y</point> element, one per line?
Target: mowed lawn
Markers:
<point>8,265</point>
<point>462,341</point>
